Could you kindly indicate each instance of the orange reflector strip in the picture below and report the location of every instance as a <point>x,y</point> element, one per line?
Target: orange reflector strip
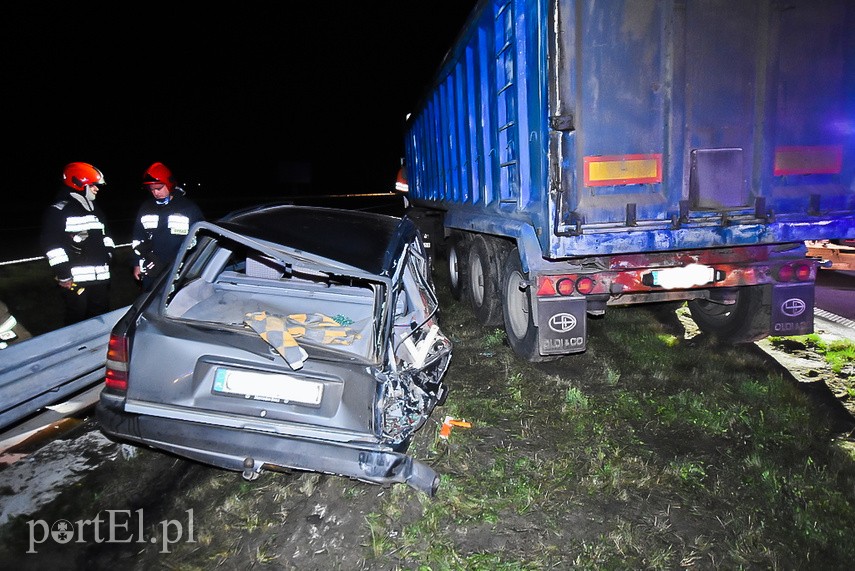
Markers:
<point>827,159</point>
<point>622,169</point>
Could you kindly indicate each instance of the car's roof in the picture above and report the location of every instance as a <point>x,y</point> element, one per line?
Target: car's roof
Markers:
<point>366,240</point>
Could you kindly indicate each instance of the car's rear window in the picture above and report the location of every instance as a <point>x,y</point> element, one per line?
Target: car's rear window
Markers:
<point>228,283</point>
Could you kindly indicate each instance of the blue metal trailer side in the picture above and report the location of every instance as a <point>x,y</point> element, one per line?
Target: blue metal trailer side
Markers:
<point>585,153</point>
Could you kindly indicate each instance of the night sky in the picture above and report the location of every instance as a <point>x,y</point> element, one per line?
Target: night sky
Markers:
<point>257,98</point>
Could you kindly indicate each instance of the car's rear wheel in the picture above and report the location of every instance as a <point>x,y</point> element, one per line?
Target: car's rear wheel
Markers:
<point>484,275</point>
<point>517,309</point>
<point>744,321</point>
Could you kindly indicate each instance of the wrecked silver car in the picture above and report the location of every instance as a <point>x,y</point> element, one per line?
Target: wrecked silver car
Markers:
<point>285,337</point>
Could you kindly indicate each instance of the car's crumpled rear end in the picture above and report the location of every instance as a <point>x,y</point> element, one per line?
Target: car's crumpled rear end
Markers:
<point>254,358</point>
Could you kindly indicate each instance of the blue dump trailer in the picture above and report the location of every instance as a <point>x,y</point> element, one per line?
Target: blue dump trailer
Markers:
<point>575,155</point>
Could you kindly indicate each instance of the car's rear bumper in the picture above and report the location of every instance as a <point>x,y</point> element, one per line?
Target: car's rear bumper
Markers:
<point>249,452</point>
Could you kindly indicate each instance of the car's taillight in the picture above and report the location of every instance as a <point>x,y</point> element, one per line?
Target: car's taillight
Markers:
<point>117,363</point>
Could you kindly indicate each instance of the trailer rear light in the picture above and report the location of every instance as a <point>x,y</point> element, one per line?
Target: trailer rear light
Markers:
<point>785,273</point>
<point>545,287</point>
<point>794,272</point>
<point>803,272</point>
<point>585,285</point>
<point>564,286</point>
<point>117,363</point>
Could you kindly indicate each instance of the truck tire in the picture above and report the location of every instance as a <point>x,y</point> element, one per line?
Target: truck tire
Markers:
<point>745,321</point>
<point>484,275</point>
<point>519,318</point>
<point>456,257</point>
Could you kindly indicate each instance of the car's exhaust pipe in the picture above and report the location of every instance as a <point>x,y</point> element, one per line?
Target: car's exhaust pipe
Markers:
<point>423,478</point>
<point>390,467</point>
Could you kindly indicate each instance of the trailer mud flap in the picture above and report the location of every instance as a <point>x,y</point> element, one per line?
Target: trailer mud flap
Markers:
<point>561,325</point>
<point>792,309</point>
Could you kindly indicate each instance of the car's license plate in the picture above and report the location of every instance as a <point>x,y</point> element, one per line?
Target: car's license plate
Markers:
<point>267,387</point>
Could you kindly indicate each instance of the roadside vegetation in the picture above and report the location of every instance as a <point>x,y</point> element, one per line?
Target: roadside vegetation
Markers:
<point>839,357</point>
<point>650,450</point>
<point>655,453</point>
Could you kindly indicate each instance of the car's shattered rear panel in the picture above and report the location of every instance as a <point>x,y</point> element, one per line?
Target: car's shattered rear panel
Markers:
<point>411,395</point>
<point>419,354</point>
<point>283,358</point>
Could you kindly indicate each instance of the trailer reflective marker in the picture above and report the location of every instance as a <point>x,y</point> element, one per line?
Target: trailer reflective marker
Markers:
<point>824,159</point>
<point>611,170</point>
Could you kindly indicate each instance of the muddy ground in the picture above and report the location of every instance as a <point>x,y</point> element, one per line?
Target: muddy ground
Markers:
<point>523,488</point>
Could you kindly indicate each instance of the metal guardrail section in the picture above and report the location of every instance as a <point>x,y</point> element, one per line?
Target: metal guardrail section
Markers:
<point>49,368</point>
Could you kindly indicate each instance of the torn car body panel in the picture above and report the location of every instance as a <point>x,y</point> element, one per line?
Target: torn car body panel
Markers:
<point>268,347</point>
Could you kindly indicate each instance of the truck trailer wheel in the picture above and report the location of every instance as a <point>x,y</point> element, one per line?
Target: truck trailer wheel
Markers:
<point>519,318</point>
<point>484,275</point>
<point>456,257</point>
<point>745,321</point>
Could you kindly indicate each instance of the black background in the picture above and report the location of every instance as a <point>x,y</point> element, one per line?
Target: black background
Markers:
<point>256,99</point>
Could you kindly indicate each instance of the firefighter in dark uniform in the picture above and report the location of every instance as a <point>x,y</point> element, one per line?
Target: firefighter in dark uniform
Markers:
<point>162,223</point>
<point>77,244</point>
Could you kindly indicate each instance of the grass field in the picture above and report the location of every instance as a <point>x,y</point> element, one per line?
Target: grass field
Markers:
<point>648,451</point>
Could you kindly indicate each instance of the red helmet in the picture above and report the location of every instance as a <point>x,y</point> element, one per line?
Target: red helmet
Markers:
<point>78,175</point>
<point>159,173</point>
